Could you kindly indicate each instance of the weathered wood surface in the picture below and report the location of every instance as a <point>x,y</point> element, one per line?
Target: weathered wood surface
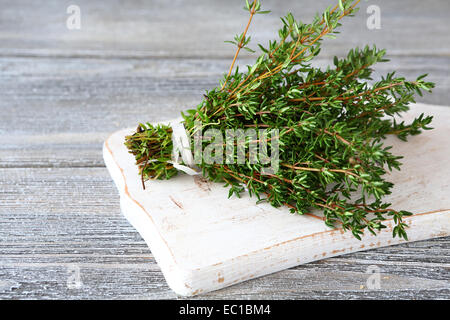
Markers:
<point>63,92</point>
<point>183,28</point>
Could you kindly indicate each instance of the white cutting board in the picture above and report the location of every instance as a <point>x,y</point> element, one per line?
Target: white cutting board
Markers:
<point>204,241</point>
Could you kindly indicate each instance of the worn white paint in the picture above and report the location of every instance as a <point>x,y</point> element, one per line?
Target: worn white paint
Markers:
<point>204,241</point>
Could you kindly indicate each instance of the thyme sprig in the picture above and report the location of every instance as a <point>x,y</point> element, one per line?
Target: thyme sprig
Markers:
<point>332,126</point>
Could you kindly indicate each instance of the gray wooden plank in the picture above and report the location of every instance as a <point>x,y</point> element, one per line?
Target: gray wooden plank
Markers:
<point>55,219</point>
<point>161,28</point>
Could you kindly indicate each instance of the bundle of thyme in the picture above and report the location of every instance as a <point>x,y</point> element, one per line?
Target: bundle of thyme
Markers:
<point>331,126</point>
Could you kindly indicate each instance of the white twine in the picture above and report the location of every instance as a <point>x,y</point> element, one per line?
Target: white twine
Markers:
<point>182,145</point>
